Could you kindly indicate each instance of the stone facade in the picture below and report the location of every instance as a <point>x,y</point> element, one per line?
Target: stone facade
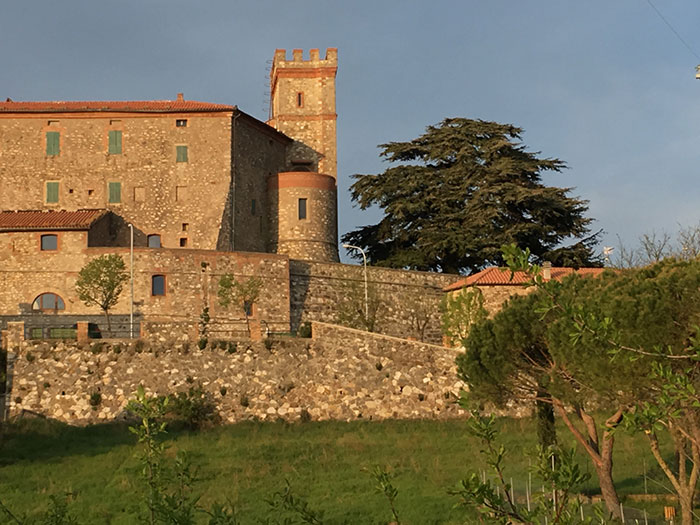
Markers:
<point>341,374</point>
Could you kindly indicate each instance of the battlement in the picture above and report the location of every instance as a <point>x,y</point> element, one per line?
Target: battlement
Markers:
<point>314,60</point>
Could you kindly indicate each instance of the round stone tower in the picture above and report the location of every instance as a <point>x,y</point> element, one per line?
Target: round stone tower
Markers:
<point>303,198</point>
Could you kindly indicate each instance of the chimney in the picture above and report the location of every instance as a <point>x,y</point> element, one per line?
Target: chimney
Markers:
<point>547,271</point>
<point>180,97</point>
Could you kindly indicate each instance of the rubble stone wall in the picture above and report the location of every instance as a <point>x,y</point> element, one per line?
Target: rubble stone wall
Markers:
<point>340,374</point>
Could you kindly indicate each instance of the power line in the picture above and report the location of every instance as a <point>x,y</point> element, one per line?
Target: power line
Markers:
<point>672,29</point>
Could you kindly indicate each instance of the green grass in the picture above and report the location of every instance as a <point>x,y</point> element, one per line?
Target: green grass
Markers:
<point>246,463</point>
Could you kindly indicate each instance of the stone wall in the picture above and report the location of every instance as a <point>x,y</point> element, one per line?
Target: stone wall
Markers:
<point>340,374</point>
<point>191,280</point>
<point>409,299</point>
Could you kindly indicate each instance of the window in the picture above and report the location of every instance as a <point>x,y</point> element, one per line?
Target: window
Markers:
<point>53,143</point>
<point>181,123</point>
<point>158,285</point>
<point>252,207</point>
<point>183,242</point>
<point>302,209</point>
<point>115,142</point>
<point>115,192</point>
<point>48,302</point>
<point>300,99</point>
<point>154,240</point>
<point>181,153</point>
<point>181,193</point>
<point>185,226</point>
<point>51,192</point>
<point>139,194</point>
<point>49,242</point>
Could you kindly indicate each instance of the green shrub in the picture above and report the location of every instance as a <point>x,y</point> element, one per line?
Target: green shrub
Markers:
<point>139,346</point>
<point>95,400</point>
<point>268,343</point>
<point>232,347</point>
<point>223,391</point>
<point>96,348</point>
<point>305,416</point>
<point>245,402</point>
<point>193,407</point>
<point>30,357</point>
<point>378,366</point>
<point>304,330</point>
<point>202,343</point>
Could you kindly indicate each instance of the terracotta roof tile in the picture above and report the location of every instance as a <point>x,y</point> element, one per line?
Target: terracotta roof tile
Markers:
<point>145,106</point>
<point>495,276</point>
<point>49,220</point>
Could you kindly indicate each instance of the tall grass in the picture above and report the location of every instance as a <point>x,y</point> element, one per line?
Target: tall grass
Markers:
<point>327,463</point>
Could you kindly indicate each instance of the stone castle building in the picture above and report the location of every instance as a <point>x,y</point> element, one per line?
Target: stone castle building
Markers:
<point>207,189</point>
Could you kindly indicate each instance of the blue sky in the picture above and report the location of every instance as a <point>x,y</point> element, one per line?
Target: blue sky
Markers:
<point>605,86</point>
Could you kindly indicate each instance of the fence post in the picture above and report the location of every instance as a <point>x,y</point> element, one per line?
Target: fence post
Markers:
<point>81,332</point>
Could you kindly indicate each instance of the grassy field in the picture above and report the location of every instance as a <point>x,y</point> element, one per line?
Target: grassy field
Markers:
<point>325,463</point>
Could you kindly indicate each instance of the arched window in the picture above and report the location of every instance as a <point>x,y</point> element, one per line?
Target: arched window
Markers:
<point>48,302</point>
<point>154,240</point>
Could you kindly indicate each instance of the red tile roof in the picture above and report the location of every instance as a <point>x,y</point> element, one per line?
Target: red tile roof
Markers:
<point>142,106</point>
<point>495,276</point>
<point>49,220</point>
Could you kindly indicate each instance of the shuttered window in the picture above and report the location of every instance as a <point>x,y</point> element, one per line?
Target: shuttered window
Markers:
<point>181,153</point>
<point>52,192</point>
<point>115,142</point>
<point>53,142</point>
<point>115,192</point>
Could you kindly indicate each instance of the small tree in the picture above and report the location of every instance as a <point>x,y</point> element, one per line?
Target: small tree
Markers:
<point>240,293</point>
<point>351,309</point>
<point>101,282</point>
<point>460,311</point>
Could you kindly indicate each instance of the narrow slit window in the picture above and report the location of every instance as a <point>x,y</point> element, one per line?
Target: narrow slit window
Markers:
<point>158,285</point>
<point>302,209</point>
<point>300,99</point>
<point>253,205</point>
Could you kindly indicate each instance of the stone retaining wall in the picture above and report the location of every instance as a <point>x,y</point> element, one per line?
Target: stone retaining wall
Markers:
<point>340,374</point>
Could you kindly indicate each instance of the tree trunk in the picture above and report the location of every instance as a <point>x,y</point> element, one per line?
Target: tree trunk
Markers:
<point>546,431</point>
<point>686,501</point>
<point>607,488</point>
<point>599,452</point>
<point>109,324</point>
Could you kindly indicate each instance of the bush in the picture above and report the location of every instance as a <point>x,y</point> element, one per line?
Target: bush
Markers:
<point>245,402</point>
<point>193,407</point>
<point>305,416</point>
<point>202,343</point>
<point>139,345</point>
<point>304,330</point>
<point>268,343</point>
<point>96,348</point>
<point>30,357</point>
<point>95,400</point>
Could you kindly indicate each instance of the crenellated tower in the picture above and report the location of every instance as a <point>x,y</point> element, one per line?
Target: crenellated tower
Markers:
<point>303,211</point>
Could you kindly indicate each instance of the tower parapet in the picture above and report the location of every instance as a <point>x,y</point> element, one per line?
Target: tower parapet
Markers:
<point>303,198</point>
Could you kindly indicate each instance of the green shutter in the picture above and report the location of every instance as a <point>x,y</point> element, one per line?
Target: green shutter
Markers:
<point>115,142</point>
<point>53,142</point>
<point>52,192</point>
<point>115,192</point>
<point>181,153</point>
